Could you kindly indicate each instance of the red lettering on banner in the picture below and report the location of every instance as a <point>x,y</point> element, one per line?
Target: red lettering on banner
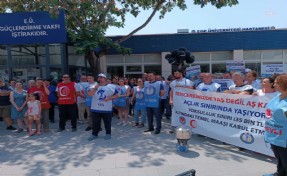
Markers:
<point>261,105</point>
<point>251,103</point>
<point>190,95</point>
<point>235,101</point>
<point>274,131</point>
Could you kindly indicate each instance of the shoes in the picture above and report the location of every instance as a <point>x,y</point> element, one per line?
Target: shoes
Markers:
<point>135,124</point>
<point>38,133</point>
<point>46,130</point>
<point>171,132</point>
<point>141,125</point>
<point>148,130</point>
<point>60,130</point>
<point>108,137</point>
<point>119,123</point>
<point>20,130</point>
<point>125,124</point>
<point>74,129</point>
<point>92,137</point>
<point>157,132</point>
<point>88,129</point>
<point>10,128</point>
<point>31,133</point>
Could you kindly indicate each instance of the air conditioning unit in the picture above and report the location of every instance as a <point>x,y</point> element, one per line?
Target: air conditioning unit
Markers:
<point>182,31</point>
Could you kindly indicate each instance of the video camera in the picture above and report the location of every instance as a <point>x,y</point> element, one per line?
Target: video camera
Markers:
<point>180,56</point>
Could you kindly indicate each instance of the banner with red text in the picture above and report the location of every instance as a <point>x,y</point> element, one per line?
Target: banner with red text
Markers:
<point>231,118</point>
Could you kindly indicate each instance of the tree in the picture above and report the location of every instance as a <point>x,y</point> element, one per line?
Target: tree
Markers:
<point>88,20</point>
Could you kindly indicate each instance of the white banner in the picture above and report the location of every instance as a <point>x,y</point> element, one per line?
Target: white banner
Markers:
<point>231,118</point>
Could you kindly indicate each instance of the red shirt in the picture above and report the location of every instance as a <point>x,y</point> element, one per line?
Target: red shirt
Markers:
<point>45,104</point>
<point>66,93</point>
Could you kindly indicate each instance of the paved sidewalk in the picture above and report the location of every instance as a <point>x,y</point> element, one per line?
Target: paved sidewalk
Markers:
<point>130,152</point>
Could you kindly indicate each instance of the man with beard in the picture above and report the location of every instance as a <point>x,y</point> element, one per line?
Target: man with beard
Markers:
<point>153,90</point>
<point>179,81</point>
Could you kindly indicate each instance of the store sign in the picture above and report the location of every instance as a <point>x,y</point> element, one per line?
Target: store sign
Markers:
<point>234,29</point>
<point>32,27</point>
<point>270,69</point>
<point>235,65</point>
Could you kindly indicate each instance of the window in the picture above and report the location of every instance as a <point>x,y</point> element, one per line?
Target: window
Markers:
<point>133,59</point>
<point>77,60</point>
<point>221,56</point>
<point>133,69</point>
<point>254,66</point>
<point>152,58</point>
<point>251,55</point>
<point>285,56</point>
<point>272,55</point>
<point>55,59</point>
<point>115,70</point>
<point>152,68</point>
<point>218,68</point>
<point>114,59</point>
<point>201,56</point>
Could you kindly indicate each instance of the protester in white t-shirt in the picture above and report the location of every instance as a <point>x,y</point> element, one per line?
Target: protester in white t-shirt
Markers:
<point>251,79</point>
<point>208,85</point>
<point>239,87</point>
<point>267,88</point>
<point>179,81</point>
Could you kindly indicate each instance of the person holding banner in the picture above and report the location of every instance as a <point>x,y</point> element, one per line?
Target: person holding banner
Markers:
<point>268,89</point>
<point>239,87</point>
<point>276,125</point>
<point>208,85</point>
<point>153,90</point>
<point>122,103</point>
<point>251,79</point>
<point>179,81</point>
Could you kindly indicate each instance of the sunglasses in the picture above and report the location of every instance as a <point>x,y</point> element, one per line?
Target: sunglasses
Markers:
<point>66,77</point>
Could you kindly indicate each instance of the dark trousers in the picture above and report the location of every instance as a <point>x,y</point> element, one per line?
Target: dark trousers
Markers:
<point>68,112</point>
<point>153,112</point>
<point>281,155</point>
<point>162,105</point>
<point>167,108</point>
<point>107,118</point>
<point>52,112</point>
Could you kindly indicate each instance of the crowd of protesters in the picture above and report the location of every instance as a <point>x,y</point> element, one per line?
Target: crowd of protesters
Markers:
<point>140,98</point>
<point>92,102</point>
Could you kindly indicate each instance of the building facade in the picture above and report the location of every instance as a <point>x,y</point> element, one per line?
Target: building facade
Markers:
<point>211,51</point>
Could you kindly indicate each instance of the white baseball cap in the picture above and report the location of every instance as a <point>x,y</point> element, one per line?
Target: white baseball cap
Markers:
<point>102,75</point>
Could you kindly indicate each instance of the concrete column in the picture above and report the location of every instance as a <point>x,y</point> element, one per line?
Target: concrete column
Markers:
<point>237,54</point>
<point>165,66</point>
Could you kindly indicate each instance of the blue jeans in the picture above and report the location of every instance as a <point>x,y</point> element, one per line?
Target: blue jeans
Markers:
<point>137,114</point>
<point>154,112</point>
